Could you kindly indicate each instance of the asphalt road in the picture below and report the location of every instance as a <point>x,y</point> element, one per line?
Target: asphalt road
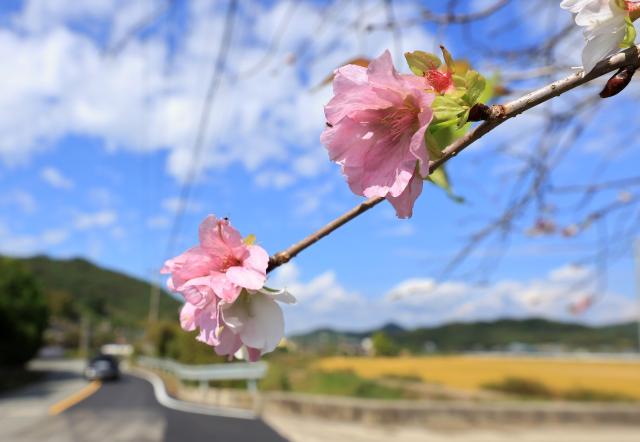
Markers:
<point>132,395</point>
<point>126,410</point>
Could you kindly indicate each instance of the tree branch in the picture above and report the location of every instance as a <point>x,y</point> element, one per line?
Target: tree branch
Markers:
<point>497,115</point>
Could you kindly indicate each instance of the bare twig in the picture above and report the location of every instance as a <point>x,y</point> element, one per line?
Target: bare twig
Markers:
<point>452,18</point>
<point>497,115</point>
<point>596,187</point>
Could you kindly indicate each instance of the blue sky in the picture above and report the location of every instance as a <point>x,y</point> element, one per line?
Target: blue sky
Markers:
<point>95,145</point>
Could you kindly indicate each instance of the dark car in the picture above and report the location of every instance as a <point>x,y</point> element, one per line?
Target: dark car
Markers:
<point>102,367</point>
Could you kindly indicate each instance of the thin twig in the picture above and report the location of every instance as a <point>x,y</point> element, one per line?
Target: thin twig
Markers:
<point>498,114</point>
<point>451,18</point>
<point>596,187</point>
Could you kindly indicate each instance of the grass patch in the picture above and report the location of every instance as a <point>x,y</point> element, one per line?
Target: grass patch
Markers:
<point>401,377</point>
<point>588,395</point>
<point>346,383</point>
<point>521,387</point>
<point>298,373</point>
<point>532,389</point>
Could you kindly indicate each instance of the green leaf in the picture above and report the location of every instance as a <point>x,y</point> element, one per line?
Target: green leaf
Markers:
<point>489,88</point>
<point>630,34</point>
<point>448,59</point>
<point>446,108</point>
<point>269,289</point>
<point>434,146</point>
<point>476,85</point>
<point>462,119</point>
<point>441,135</point>
<point>459,81</point>
<point>440,178</point>
<point>420,62</point>
<point>443,125</point>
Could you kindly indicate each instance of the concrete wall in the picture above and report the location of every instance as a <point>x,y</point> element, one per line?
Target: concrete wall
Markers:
<point>446,414</point>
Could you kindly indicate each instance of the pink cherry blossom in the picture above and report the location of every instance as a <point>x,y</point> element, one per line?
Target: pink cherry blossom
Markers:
<point>222,283</point>
<point>222,265</point>
<point>376,126</point>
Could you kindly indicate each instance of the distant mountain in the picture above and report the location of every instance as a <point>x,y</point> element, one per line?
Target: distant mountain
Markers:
<point>391,329</point>
<point>77,287</point>
<point>484,335</point>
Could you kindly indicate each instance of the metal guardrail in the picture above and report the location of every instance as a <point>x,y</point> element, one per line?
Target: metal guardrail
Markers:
<point>249,371</point>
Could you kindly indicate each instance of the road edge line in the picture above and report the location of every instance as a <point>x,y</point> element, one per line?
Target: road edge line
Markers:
<point>189,407</point>
<point>75,398</point>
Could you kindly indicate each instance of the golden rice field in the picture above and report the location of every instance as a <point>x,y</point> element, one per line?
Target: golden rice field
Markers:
<point>471,372</point>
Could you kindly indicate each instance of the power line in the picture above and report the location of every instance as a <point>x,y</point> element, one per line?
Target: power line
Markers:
<point>187,187</point>
<point>214,86</point>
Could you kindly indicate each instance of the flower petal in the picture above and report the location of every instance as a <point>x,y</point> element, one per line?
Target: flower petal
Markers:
<point>258,259</point>
<point>281,295</point>
<point>601,42</point>
<point>188,317</point>
<point>247,278</point>
<point>265,327</point>
<point>405,201</point>
<point>229,342</point>
<point>388,167</point>
<point>208,323</point>
<point>347,77</point>
<point>218,236</point>
<point>223,287</point>
<point>381,72</point>
<point>360,98</point>
<point>419,150</point>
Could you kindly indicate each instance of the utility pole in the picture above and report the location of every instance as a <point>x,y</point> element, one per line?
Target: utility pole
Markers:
<point>85,335</point>
<point>637,259</point>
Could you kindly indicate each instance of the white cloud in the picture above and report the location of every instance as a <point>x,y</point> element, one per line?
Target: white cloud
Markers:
<point>399,230</point>
<point>312,199</point>
<point>158,222</point>
<point>54,236</point>
<point>21,199</point>
<point>118,232</point>
<point>55,178</point>
<point>424,300</point>
<point>149,96</point>
<point>28,244</point>
<point>174,204</point>
<point>275,179</point>
<point>324,301</point>
<point>101,196</point>
<point>103,218</point>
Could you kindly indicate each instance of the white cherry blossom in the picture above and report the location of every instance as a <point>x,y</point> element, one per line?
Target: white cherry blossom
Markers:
<point>605,26</point>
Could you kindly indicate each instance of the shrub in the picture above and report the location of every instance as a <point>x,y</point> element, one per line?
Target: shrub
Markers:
<point>383,345</point>
<point>23,314</point>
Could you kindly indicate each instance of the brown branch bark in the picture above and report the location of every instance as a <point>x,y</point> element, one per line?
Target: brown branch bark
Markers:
<point>497,115</point>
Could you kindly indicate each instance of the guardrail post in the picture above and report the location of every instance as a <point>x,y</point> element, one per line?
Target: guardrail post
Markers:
<point>204,388</point>
<point>252,388</point>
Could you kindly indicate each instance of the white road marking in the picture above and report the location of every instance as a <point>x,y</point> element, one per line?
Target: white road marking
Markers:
<point>189,407</point>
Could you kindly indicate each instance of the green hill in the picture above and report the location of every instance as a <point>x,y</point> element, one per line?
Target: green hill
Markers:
<point>76,287</point>
<point>483,335</point>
